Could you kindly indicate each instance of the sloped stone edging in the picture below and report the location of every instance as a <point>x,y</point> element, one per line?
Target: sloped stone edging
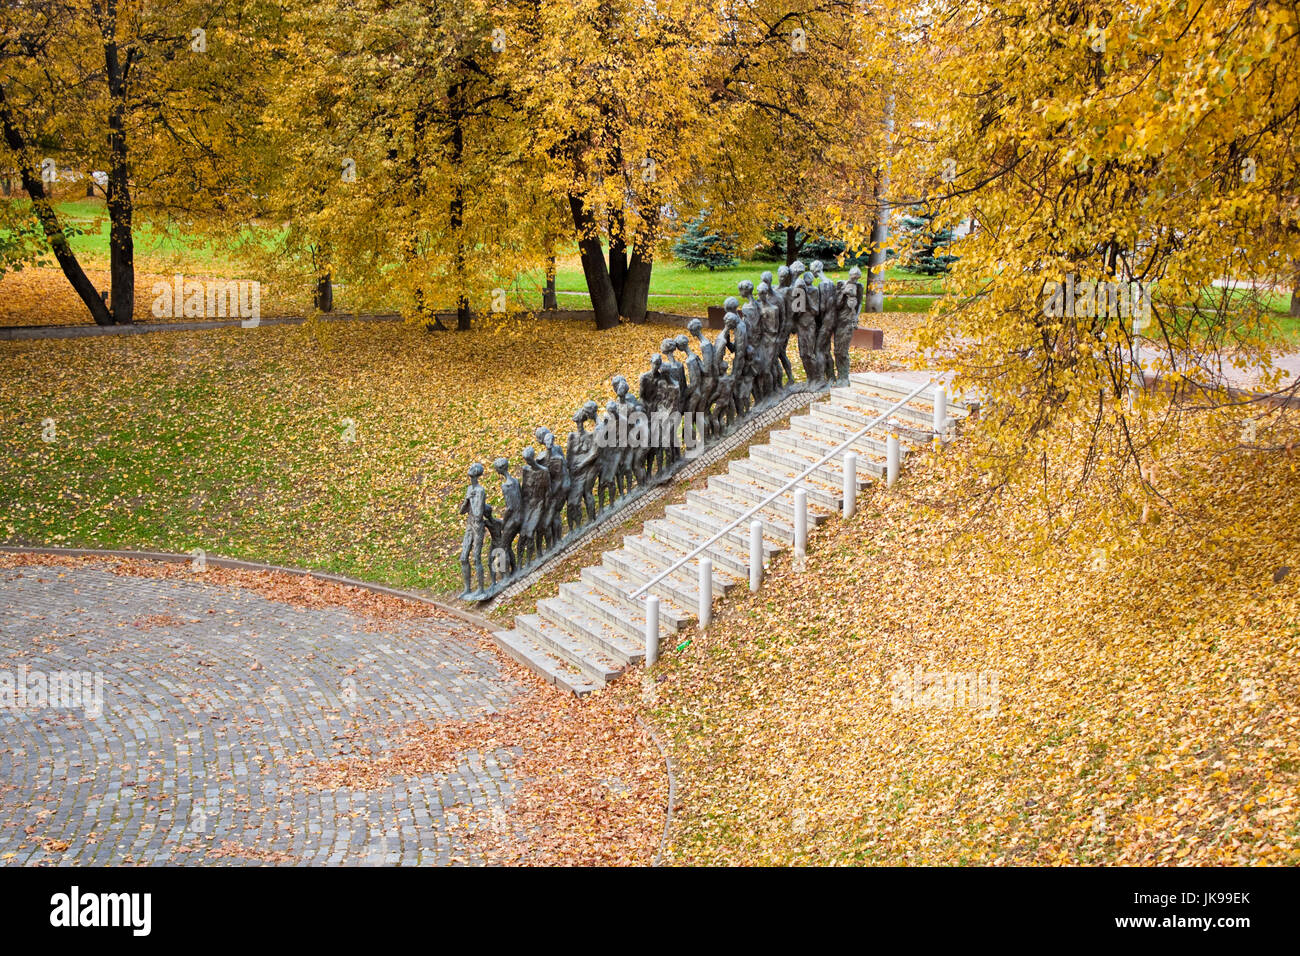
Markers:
<point>469,617</point>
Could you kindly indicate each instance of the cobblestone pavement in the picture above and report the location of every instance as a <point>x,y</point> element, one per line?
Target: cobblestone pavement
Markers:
<point>213,701</point>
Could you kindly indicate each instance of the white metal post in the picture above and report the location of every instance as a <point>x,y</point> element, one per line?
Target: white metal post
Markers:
<point>755,555</point>
<point>850,484</point>
<point>941,412</point>
<point>651,631</point>
<point>891,459</point>
<point>800,524</point>
<point>706,592</point>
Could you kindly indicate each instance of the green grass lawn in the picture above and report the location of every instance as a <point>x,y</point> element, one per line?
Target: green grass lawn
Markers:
<point>670,278</point>
<point>673,286</point>
<point>88,219</point>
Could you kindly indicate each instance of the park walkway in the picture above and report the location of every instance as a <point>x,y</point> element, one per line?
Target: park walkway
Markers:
<point>216,701</point>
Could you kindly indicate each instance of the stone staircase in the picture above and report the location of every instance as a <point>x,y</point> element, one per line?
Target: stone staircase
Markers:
<point>592,630</point>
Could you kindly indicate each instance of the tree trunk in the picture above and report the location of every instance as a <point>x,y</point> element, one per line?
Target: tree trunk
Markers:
<point>458,208</point>
<point>617,255</point>
<point>323,299</point>
<point>1295,303</point>
<point>875,284</point>
<point>875,291</point>
<point>603,301</point>
<point>549,301</point>
<point>50,225</point>
<point>636,287</point>
<point>121,244</point>
<point>792,245</point>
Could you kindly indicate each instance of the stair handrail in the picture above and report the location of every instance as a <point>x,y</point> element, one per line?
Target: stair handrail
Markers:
<point>786,487</point>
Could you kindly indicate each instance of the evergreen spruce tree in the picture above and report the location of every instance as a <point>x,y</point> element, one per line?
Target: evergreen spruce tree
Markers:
<point>701,249</point>
<point>927,256</point>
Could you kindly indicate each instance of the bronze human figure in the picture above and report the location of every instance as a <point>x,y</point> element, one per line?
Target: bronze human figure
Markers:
<point>848,304</point>
<point>803,304</point>
<point>513,518</point>
<point>535,485</point>
<point>475,507</point>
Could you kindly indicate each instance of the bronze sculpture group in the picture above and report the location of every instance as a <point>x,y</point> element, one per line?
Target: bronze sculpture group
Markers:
<point>685,399</point>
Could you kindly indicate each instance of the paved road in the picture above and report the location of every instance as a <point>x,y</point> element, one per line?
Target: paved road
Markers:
<point>214,699</point>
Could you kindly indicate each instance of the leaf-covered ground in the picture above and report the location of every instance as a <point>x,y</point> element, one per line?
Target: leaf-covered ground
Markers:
<point>238,441</point>
<point>1147,698</point>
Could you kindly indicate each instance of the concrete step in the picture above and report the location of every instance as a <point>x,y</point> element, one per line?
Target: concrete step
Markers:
<point>681,587</point>
<point>589,627</point>
<point>625,616</point>
<point>666,554</point>
<point>710,524</point>
<point>898,386</point>
<point>832,472</point>
<point>817,444</point>
<point>725,554</point>
<point>774,476</point>
<point>728,508</point>
<point>752,493</point>
<point>917,432</point>
<point>561,642</point>
<point>619,588</point>
<point>837,431</point>
<point>873,406</point>
<point>545,664</point>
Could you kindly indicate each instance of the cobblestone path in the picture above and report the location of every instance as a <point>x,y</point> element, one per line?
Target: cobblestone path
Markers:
<point>214,700</point>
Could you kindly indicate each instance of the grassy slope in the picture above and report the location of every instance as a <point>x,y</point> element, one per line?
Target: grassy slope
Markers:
<point>231,441</point>
<point>1146,711</point>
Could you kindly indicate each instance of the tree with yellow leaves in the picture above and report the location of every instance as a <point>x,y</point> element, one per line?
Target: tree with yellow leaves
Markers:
<point>1116,162</point>
<point>154,94</point>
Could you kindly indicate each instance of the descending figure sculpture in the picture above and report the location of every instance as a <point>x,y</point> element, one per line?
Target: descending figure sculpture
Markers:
<point>786,325</point>
<point>535,485</point>
<point>826,292</point>
<point>475,508</point>
<point>513,518</point>
<point>499,560</point>
<point>611,455</point>
<point>746,290</point>
<point>580,456</point>
<point>683,344</point>
<point>665,413</point>
<point>724,402</point>
<point>705,385</point>
<point>558,495</point>
<point>803,304</point>
<point>627,408</point>
<point>766,367</point>
<point>737,339</point>
<point>848,303</point>
<point>721,404</point>
<point>544,523</point>
<point>648,388</point>
<point>753,332</point>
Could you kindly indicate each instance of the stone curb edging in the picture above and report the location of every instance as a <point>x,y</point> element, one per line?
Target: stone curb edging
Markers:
<point>29,332</point>
<point>672,788</point>
<point>32,332</point>
<point>646,497</point>
<point>468,617</point>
